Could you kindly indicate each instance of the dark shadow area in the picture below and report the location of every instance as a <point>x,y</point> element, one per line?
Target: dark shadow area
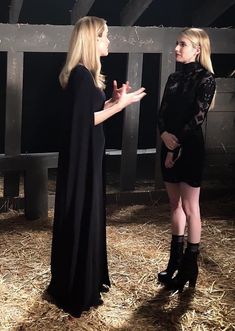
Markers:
<point>19,223</point>
<point>3,69</point>
<point>155,314</point>
<point>43,102</point>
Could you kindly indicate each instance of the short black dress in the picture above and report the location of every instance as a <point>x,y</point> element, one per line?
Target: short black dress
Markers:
<point>187,97</point>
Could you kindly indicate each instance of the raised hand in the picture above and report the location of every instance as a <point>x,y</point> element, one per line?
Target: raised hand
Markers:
<point>117,91</point>
<point>126,99</point>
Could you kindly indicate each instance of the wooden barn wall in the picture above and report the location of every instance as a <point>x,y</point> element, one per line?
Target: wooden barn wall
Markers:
<point>135,41</point>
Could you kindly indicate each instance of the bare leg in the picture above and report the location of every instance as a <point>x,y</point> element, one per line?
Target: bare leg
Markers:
<point>178,222</point>
<point>178,217</point>
<point>190,203</point>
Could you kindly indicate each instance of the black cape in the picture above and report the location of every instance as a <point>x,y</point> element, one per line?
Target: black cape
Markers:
<point>79,257</point>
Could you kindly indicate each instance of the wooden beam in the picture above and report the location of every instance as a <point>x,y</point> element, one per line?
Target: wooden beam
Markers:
<point>13,117</point>
<point>55,39</point>
<point>133,10</point>
<point>15,9</point>
<point>80,9</point>
<point>131,126</point>
<point>210,11</point>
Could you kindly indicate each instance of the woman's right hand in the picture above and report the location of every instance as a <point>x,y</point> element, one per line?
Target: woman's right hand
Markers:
<point>127,99</point>
<point>170,140</point>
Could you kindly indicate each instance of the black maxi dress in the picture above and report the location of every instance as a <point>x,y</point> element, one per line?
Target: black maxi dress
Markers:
<point>79,257</point>
<point>186,100</point>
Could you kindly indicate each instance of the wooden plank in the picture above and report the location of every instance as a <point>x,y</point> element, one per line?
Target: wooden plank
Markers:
<point>80,9</point>
<point>210,11</point>
<point>36,193</point>
<point>223,108</point>
<point>225,85</point>
<point>133,10</point>
<point>23,162</point>
<point>50,38</point>
<point>220,133</point>
<point>15,9</point>
<point>14,95</point>
<point>131,126</point>
<point>13,117</point>
<point>226,100</point>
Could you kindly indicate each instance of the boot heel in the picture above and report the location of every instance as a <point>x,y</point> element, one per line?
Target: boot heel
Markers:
<point>193,281</point>
<point>176,256</point>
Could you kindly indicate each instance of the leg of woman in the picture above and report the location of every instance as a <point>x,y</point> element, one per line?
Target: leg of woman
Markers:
<point>178,217</point>
<point>190,203</point>
<point>188,271</point>
<point>178,221</point>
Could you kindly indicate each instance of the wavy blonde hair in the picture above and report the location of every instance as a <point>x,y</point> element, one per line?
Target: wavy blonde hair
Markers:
<point>83,50</point>
<point>199,37</point>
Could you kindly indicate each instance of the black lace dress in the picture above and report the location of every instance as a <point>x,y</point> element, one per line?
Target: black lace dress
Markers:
<point>185,103</point>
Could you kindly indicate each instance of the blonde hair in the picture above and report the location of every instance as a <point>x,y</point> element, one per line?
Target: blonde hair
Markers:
<point>199,37</point>
<point>83,50</point>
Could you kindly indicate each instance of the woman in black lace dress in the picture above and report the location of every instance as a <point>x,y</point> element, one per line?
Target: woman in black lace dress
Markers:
<point>187,98</point>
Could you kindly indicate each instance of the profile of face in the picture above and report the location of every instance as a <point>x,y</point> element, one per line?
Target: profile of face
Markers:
<point>185,50</point>
<point>103,43</point>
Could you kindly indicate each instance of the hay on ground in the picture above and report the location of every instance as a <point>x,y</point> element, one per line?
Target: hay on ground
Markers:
<point>138,243</point>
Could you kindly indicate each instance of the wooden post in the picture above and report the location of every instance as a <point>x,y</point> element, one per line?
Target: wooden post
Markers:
<point>131,126</point>
<point>13,117</point>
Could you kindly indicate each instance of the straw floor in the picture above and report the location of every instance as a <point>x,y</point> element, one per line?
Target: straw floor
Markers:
<point>138,241</point>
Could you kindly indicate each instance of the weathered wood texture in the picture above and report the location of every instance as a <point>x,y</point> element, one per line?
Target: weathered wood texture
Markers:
<point>210,11</point>
<point>133,10</point>
<point>14,10</point>
<point>17,39</point>
<point>80,9</point>
<point>220,132</point>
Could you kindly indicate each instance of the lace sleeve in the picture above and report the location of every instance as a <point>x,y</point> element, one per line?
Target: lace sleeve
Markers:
<point>163,106</point>
<point>205,94</point>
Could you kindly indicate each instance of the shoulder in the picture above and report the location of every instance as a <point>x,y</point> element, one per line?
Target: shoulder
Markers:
<point>205,76</point>
<point>81,73</point>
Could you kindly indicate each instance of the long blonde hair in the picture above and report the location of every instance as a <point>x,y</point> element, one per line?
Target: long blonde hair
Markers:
<point>199,37</point>
<point>83,49</point>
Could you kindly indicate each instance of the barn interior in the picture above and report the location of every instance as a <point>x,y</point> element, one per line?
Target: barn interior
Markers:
<point>34,38</point>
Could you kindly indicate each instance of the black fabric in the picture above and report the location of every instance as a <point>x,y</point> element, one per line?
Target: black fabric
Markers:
<point>79,259</point>
<point>177,239</point>
<point>185,103</point>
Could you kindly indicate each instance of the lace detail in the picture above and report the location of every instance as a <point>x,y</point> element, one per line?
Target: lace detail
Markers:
<point>186,100</point>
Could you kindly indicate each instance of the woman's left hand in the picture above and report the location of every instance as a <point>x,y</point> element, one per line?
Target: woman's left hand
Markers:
<point>117,91</point>
<point>169,163</point>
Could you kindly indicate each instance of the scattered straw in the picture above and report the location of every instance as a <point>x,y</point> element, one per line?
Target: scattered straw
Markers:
<point>138,244</point>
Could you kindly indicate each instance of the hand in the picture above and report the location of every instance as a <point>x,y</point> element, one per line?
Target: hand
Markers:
<point>127,99</point>
<point>117,91</point>
<point>170,140</point>
<point>169,163</point>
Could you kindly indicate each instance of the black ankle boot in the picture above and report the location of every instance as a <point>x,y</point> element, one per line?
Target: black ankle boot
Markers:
<point>176,255</point>
<point>188,271</point>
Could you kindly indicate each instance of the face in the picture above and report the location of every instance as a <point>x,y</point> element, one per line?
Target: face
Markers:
<point>185,51</point>
<point>103,43</point>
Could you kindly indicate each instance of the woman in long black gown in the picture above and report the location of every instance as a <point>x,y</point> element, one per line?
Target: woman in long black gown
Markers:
<point>187,98</point>
<point>79,271</point>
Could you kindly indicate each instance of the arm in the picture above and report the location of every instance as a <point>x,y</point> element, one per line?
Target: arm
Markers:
<point>205,94</point>
<point>124,100</point>
<point>169,139</point>
<point>116,94</point>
